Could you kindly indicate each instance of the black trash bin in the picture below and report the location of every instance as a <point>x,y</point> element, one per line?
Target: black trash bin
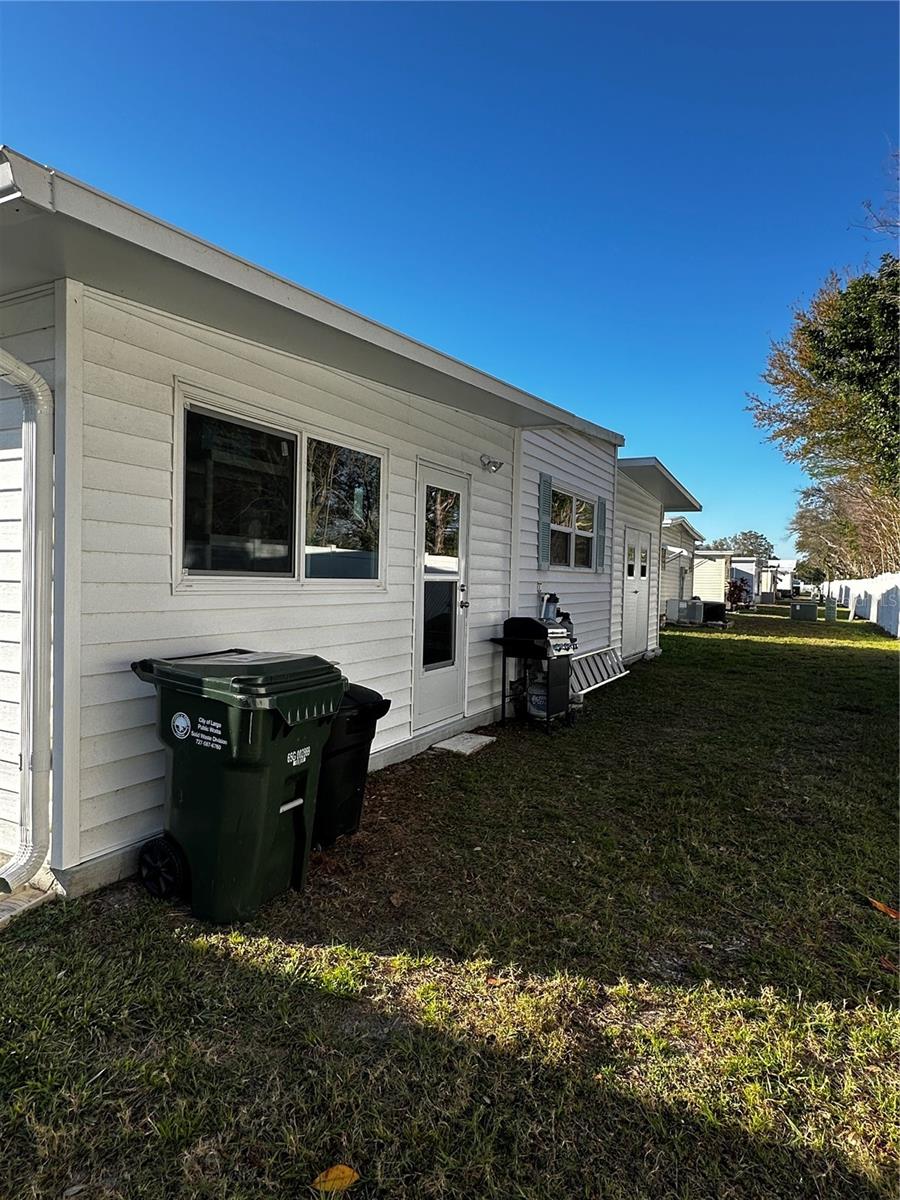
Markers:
<point>345,764</point>
<point>244,734</point>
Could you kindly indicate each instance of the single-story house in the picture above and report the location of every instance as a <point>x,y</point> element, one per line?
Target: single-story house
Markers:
<point>197,454</point>
<point>712,571</point>
<point>676,566</point>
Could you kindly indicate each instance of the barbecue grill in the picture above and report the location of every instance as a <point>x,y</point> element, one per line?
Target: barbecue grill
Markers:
<point>542,648</point>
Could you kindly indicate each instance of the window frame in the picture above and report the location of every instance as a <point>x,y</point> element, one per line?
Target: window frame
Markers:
<point>193,397</point>
<point>573,530</point>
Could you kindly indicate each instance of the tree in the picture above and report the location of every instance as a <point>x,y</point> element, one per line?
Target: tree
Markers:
<point>804,572</point>
<point>835,382</point>
<point>886,220</point>
<point>848,529</point>
<point>749,542</point>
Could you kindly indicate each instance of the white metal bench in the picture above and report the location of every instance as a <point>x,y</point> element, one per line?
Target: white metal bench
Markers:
<point>595,668</point>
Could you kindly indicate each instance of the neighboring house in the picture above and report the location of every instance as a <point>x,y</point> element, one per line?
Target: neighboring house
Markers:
<point>239,462</point>
<point>777,578</point>
<point>712,571</point>
<point>645,491</point>
<point>680,541</point>
<point>747,570</point>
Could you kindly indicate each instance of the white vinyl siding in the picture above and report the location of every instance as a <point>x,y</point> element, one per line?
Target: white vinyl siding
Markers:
<point>636,509</point>
<point>133,355</point>
<point>580,466</point>
<point>26,331</point>
<point>671,566</point>
<point>711,577</point>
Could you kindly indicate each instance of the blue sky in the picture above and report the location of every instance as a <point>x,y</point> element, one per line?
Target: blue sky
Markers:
<point>614,206</point>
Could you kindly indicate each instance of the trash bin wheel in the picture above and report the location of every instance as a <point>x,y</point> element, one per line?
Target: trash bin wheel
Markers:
<point>162,868</point>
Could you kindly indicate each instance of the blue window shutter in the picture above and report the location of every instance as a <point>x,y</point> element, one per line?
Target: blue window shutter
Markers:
<point>545,487</point>
<point>600,536</point>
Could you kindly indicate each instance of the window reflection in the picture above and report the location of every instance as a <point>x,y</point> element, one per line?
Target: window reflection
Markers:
<point>442,507</point>
<point>238,497</point>
<point>343,497</point>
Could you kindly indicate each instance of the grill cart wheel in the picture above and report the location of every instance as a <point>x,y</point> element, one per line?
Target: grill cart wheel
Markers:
<point>163,868</point>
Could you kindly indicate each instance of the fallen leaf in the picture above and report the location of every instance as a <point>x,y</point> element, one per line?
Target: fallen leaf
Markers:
<point>493,981</point>
<point>886,964</point>
<point>335,1179</point>
<point>885,908</point>
<point>396,899</point>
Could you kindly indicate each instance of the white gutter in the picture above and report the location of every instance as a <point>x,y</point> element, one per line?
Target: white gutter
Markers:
<point>37,583</point>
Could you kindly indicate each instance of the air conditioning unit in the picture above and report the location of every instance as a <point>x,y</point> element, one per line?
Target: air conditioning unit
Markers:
<point>684,612</point>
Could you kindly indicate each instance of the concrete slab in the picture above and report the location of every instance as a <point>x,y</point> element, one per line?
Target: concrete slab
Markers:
<point>465,743</point>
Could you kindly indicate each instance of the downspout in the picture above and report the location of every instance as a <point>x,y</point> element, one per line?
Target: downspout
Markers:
<point>37,583</point>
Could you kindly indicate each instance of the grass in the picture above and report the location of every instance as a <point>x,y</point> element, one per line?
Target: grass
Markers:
<point>647,971</point>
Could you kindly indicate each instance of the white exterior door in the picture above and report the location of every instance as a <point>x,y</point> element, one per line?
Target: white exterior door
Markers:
<point>442,522</point>
<point>636,600</point>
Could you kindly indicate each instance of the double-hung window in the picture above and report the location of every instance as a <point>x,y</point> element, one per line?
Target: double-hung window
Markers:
<point>572,530</point>
<point>254,495</point>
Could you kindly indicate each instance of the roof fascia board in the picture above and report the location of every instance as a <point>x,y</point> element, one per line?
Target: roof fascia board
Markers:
<point>691,502</point>
<point>59,193</point>
<point>596,433</point>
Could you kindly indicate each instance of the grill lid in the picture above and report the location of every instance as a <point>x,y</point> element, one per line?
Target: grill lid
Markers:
<point>533,627</point>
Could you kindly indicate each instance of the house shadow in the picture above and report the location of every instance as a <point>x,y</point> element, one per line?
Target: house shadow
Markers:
<point>721,838</point>
<point>245,1079</point>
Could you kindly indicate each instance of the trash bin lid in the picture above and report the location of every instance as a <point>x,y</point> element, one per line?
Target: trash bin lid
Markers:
<point>240,677</point>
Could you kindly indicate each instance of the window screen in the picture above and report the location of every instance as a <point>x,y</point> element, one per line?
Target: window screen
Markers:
<point>239,497</point>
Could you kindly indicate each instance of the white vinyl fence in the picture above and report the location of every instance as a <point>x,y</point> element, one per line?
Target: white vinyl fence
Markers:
<point>875,599</point>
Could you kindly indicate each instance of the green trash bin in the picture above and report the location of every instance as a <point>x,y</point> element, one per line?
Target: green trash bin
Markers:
<point>244,733</point>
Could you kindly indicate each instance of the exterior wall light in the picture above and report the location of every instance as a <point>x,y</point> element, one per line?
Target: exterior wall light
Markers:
<point>491,464</point>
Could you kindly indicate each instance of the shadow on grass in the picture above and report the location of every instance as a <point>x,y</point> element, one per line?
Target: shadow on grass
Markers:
<point>149,1064</point>
<point>722,814</point>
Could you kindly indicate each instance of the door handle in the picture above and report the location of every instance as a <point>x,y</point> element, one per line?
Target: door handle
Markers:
<point>463,604</point>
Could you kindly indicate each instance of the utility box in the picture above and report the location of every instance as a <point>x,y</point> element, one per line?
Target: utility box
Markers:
<point>244,734</point>
<point>804,610</point>
<point>684,612</point>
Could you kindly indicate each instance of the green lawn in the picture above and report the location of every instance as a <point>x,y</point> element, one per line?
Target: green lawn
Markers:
<point>647,971</point>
